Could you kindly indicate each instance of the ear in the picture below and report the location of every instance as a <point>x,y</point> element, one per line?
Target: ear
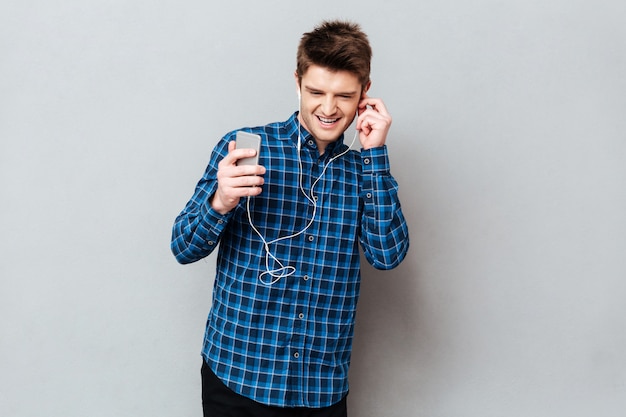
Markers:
<point>366,89</point>
<point>295,75</point>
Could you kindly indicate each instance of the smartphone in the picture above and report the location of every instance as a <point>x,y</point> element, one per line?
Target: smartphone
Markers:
<point>247,140</point>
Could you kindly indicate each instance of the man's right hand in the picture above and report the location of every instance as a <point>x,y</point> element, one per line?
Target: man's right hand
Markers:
<point>234,182</point>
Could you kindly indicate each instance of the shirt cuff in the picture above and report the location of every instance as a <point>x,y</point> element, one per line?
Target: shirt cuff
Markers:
<point>214,222</point>
<point>375,160</point>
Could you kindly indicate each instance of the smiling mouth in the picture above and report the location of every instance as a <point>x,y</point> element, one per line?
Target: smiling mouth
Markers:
<point>327,121</point>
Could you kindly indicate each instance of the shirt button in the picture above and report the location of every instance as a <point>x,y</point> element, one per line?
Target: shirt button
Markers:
<point>310,142</point>
<point>301,316</point>
<point>220,221</point>
<point>311,238</point>
<point>296,355</point>
<point>211,243</point>
<point>306,277</point>
<point>366,161</point>
<point>368,195</point>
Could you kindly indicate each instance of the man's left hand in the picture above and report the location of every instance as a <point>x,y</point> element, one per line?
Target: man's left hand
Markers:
<point>373,122</point>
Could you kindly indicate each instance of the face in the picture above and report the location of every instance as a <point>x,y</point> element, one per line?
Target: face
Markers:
<point>329,103</point>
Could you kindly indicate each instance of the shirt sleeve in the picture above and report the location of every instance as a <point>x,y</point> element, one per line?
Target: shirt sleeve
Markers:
<point>198,228</point>
<point>384,232</point>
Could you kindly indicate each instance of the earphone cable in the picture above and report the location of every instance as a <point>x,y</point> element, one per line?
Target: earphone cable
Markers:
<point>284,271</point>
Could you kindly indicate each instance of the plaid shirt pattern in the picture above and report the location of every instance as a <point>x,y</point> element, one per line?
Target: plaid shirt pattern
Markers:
<point>288,344</point>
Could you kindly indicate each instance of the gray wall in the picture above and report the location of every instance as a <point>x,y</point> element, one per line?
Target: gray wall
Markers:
<point>508,143</point>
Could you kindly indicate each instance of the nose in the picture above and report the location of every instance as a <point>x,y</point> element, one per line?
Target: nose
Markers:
<point>329,105</point>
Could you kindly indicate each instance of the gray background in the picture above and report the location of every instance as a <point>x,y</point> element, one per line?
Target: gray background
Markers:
<point>508,143</point>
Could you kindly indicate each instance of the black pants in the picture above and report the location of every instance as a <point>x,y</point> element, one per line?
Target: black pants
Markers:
<point>220,401</point>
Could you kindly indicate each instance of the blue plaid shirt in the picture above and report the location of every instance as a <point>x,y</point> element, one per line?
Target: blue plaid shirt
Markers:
<point>288,344</point>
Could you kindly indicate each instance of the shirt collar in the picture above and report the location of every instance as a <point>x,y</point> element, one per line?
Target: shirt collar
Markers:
<point>294,130</point>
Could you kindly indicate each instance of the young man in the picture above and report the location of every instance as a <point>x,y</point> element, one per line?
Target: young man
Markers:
<point>279,333</point>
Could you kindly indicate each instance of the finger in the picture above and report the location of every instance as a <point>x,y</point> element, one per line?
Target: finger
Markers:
<point>236,154</point>
<point>229,159</point>
<point>247,181</point>
<point>232,189</point>
<point>368,118</point>
<point>374,103</point>
<point>374,119</point>
<point>252,191</point>
<point>363,125</point>
<point>239,153</point>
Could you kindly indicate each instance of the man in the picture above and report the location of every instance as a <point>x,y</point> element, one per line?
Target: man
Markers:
<point>279,333</point>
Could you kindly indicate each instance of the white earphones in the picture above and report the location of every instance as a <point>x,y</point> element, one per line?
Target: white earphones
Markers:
<point>284,271</point>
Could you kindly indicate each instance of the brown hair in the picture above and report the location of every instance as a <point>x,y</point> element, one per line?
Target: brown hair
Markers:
<point>337,46</point>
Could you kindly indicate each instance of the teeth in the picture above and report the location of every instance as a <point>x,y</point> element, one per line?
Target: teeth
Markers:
<point>325,120</point>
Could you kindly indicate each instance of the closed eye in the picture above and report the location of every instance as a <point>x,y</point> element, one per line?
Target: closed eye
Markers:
<point>343,96</point>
